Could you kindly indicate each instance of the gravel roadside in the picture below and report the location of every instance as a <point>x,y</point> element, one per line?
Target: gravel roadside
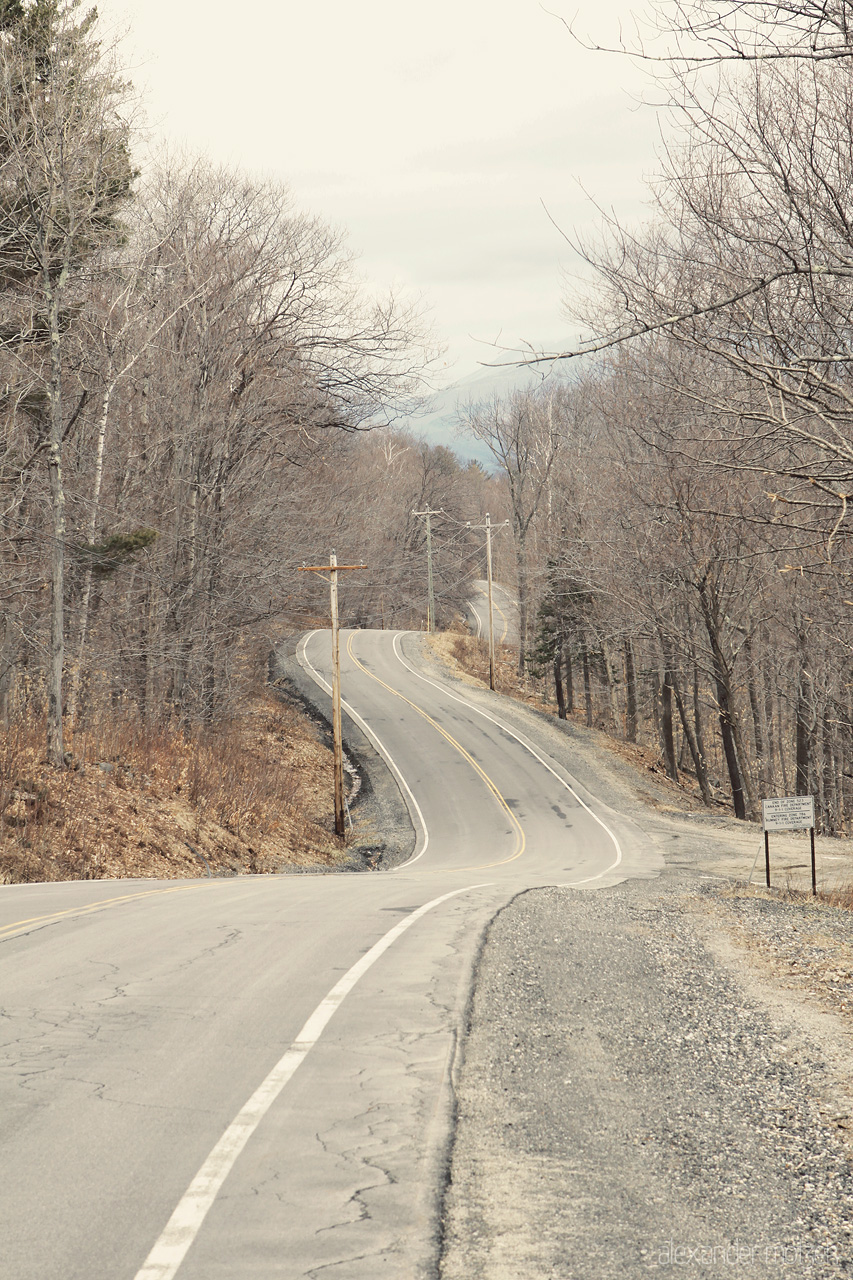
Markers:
<point>637,1095</point>
<point>656,1076</point>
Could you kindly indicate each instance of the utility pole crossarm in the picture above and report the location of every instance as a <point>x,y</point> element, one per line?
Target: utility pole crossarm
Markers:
<point>333,569</point>
<point>327,568</point>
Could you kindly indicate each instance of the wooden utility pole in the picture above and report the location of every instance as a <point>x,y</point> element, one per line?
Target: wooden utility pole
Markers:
<point>488,526</point>
<point>333,569</point>
<point>429,513</point>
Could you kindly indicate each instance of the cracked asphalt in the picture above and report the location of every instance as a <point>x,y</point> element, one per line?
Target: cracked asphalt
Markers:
<point>620,1092</point>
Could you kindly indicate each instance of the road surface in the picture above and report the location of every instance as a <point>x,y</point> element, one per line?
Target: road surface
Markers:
<point>504,608</point>
<point>253,1077</point>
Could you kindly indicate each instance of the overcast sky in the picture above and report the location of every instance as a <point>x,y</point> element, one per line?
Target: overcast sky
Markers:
<point>434,133</point>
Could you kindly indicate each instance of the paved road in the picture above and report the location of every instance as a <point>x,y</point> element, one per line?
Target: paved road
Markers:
<point>252,1077</point>
<point>504,607</point>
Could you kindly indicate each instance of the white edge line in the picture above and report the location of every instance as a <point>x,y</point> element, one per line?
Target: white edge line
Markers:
<point>182,1228</point>
<point>495,587</point>
<point>305,662</point>
<point>527,747</point>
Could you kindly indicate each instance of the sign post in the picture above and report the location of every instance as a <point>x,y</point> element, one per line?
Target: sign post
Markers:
<point>788,813</point>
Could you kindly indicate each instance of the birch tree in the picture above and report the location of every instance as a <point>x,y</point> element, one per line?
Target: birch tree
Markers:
<point>65,174</point>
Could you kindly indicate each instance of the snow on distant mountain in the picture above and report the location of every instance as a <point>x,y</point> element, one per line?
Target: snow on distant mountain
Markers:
<point>438,423</point>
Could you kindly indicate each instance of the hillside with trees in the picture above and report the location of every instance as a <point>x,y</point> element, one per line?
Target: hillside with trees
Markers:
<point>689,554</point>
<point>200,394</point>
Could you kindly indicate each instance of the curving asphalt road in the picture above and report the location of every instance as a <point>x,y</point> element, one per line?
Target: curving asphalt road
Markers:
<point>504,608</point>
<point>253,1077</point>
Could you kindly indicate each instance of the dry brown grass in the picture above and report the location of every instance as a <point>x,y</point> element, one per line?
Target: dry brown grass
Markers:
<point>841,897</point>
<point>469,656</point>
<point>249,796</point>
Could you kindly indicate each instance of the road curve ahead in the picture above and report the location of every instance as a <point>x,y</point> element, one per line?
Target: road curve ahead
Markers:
<point>252,1077</point>
<point>504,608</point>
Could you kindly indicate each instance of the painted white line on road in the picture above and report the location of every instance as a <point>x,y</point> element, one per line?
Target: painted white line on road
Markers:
<point>527,747</point>
<point>182,1228</point>
<point>305,663</point>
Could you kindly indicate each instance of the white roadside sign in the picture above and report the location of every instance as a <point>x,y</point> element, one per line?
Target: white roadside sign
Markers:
<point>788,813</point>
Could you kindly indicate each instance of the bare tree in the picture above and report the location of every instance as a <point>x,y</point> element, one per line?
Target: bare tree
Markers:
<point>65,173</point>
<point>524,432</point>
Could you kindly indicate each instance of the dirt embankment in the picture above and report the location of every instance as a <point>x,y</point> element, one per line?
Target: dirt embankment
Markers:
<point>253,795</point>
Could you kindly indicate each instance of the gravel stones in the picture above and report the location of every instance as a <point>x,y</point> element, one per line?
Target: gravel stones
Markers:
<point>808,942</point>
<point>626,1106</point>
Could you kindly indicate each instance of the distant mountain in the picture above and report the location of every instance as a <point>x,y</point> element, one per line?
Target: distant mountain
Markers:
<point>438,423</point>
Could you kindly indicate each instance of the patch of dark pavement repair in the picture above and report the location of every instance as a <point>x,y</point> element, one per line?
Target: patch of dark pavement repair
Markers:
<point>628,1104</point>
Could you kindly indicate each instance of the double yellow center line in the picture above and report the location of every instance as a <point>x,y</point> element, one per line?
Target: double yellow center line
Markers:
<point>481,773</point>
<point>37,922</point>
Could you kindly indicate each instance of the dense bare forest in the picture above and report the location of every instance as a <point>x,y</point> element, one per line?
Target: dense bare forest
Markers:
<point>684,541</point>
<point>200,394</point>
<point>193,378</point>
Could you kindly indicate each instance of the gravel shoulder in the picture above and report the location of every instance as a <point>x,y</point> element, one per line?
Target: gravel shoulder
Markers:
<point>655,1076</point>
<point>637,1095</point>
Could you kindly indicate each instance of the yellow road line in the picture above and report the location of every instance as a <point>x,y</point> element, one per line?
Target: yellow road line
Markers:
<point>24,926</point>
<point>519,832</point>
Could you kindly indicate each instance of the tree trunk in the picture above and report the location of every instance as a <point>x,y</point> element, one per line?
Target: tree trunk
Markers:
<point>56,656</point>
<point>759,722</point>
<point>77,669</point>
<point>728,728</point>
<point>630,693</point>
<point>558,680</point>
<point>738,795</point>
<point>769,721</point>
<point>570,680</point>
<point>692,739</point>
<point>780,742</point>
<point>830,777</point>
<point>612,687</point>
<point>587,683</point>
<point>667,730</point>
<point>8,663</point>
<point>804,727</point>
<point>821,805</point>
<point>701,753</point>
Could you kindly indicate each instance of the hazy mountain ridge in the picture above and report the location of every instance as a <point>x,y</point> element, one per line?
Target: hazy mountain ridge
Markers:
<point>439,423</point>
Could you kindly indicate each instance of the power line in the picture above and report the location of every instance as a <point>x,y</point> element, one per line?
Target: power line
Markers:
<point>488,526</point>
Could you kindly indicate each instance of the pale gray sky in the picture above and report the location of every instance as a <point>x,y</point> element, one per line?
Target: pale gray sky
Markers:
<point>434,133</point>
